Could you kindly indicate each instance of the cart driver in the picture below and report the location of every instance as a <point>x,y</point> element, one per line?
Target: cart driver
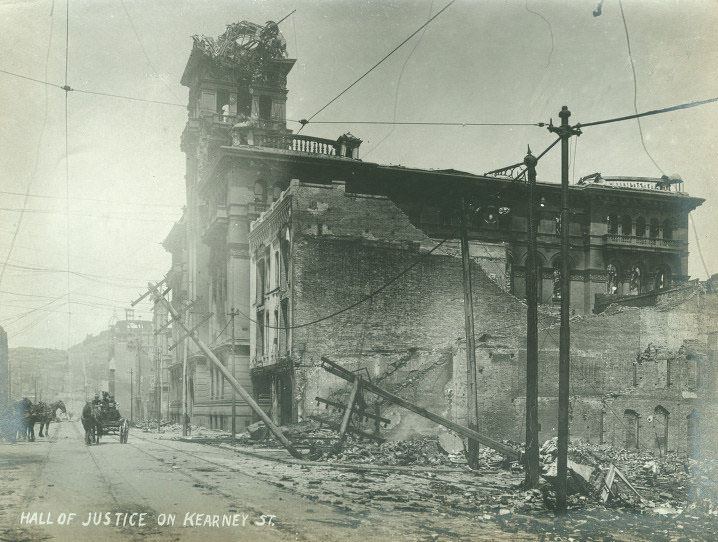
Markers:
<point>105,399</point>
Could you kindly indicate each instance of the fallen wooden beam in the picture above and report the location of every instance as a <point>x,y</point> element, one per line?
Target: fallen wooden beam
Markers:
<point>362,414</point>
<point>341,372</point>
<point>333,425</point>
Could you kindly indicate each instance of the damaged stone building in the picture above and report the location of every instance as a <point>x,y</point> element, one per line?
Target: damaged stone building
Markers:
<point>640,377</point>
<point>327,229</point>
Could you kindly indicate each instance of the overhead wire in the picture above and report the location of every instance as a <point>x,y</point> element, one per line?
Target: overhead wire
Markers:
<point>99,200</point>
<point>678,107</point>
<point>635,87</point>
<point>638,117</point>
<point>367,297</point>
<point>24,210</point>
<point>144,51</point>
<point>67,180</point>
<point>550,29</point>
<point>421,123</point>
<point>330,102</point>
<point>67,88</point>
<point>398,86</point>
<point>28,186</point>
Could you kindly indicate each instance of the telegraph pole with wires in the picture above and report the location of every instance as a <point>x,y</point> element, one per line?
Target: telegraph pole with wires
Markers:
<point>531,449</point>
<point>232,314</point>
<point>472,409</point>
<point>185,420</point>
<point>564,131</point>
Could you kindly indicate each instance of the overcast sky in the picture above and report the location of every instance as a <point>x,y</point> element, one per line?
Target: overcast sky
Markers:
<point>479,61</point>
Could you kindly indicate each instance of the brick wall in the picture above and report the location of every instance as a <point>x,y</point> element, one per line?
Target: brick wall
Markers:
<point>410,337</point>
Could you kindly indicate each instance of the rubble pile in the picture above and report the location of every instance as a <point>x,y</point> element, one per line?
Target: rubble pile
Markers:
<point>669,485</point>
<point>416,451</point>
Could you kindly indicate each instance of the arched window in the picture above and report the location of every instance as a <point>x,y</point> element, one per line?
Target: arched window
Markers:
<point>635,279</point>
<point>612,224</point>
<point>630,420</point>
<point>654,229</point>
<point>668,229</point>
<point>611,279</point>
<point>662,278</point>
<point>640,227</point>
<point>660,426</point>
<point>626,225</point>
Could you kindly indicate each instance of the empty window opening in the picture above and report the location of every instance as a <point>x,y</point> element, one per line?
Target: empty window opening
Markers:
<point>630,419</point>
<point>660,426</point>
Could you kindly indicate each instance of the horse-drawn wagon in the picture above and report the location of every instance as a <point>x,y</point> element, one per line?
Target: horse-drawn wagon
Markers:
<point>103,418</point>
<point>114,424</point>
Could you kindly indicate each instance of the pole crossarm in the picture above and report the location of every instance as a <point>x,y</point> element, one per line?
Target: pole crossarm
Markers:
<point>244,394</point>
<point>191,331</point>
<point>160,283</point>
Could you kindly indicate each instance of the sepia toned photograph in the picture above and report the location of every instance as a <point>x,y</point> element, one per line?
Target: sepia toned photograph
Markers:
<point>358,270</point>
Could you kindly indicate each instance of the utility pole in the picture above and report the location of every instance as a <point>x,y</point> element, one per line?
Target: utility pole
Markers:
<point>139,376</point>
<point>531,449</point>
<point>565,131</point>
<point>132,399</point>
<point>232,314</point>
<point>185,424</point>
<point>472,410</point>
<point>158,385</point>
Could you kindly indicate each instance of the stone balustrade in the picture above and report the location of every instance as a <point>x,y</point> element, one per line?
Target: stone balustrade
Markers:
<point>634,241</point>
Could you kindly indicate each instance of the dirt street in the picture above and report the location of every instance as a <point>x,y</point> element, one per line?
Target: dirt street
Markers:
<point>61,475</point>
<point>220,492</point>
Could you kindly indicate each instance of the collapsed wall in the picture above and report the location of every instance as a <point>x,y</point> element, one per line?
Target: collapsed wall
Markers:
<point>346,246</point>
<point>409,336</point>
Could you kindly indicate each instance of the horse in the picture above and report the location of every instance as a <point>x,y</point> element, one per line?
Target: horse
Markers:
<point>91,423</point>
<point>25,419</point>
<point>46,414</point>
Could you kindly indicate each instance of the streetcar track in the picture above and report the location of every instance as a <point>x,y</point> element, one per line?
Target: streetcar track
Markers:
<point>99,470</point>
<point>134,535</point>
<point>289,528</point>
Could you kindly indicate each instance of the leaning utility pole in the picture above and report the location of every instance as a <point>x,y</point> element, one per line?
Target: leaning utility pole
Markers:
<point>531,448</point>
<point>243,393</point>
<point>132,399</point>
<point>472,409</point>
<point>232,314</point>
<point>185,421</point>
<point>565,131</point>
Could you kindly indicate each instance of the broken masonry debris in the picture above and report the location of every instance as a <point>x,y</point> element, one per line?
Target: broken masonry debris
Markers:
<point>341,372</point>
